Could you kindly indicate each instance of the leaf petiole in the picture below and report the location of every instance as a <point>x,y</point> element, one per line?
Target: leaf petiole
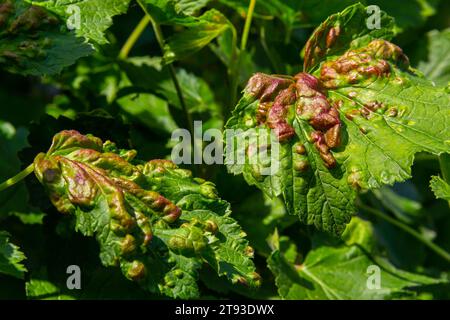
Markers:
<point>17,178</point>
<point>434,247</point>
<point>134,36</point>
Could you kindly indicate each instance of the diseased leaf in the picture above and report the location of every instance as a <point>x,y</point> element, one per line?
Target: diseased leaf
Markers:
<point>11,258</point>
<point>354,124</point>
<point>95,16</point>
<point>152,219</point>
<point>344,270</point>
<point>343,31</point>
<point>33,41</point>
<point>296,14</point>
<point>440,188</point>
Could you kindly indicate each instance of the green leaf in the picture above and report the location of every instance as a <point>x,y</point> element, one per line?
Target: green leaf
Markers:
<point>296,14</point>
<point>354,125</point>
<point>198,34</point>
<point>29,217</point>
<point>440,188</point>
<point>33,41</point>
<point>148,73</point>
<point>403,208</point>
<point>149,110</point>
<point>270,214</point>
<point>344,271</point>
<point>11,258</point>
<point>190,7</point>
<point>40,288</point>
<point>155,221</point>
<point>198,200</point>
<point>436,66</point>
<point>95,16</point>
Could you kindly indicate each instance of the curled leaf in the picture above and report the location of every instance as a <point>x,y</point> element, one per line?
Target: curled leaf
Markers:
<point>158,237</point>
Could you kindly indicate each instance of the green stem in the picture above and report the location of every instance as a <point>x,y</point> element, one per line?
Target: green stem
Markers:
<point>134,36</point>
<point>234,83</point>
<point>435,248</point>
<point>160,38</point>
<point>17,178</point>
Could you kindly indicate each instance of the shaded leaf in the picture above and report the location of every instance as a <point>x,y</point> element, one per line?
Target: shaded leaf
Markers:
<point>198,34</point>
<point>33,41</point>
<point>149,110</point>
<point>436,67</point>
<point>11,258</point>
<point>344,271</point>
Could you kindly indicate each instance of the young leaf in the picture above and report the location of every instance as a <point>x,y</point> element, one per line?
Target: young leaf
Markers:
<point>440,188</point>
<point>152,219</point>
<point>349,270</point>
<point>198,34</point>
<point>354,124</point>
<point>89,18</point>
<point>11,258</point>
<point>33,41</point>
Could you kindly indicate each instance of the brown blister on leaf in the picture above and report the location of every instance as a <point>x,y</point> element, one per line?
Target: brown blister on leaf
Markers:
<point>281,97</point>
<point>364,64</point>
<point>324,150</point>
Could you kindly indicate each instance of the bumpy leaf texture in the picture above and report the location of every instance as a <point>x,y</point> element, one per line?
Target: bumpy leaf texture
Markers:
<point>35,42</point>
<point>353,122</point>
<point>154,220</point>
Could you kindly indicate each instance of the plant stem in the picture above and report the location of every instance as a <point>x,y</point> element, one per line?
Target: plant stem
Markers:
<point>160,38</point>
<point>248,23</point>
<point>188,117</point>
<point>434,247</point>
<point>235,68</point>
<point>134,36</point>
<point>17,178</point>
